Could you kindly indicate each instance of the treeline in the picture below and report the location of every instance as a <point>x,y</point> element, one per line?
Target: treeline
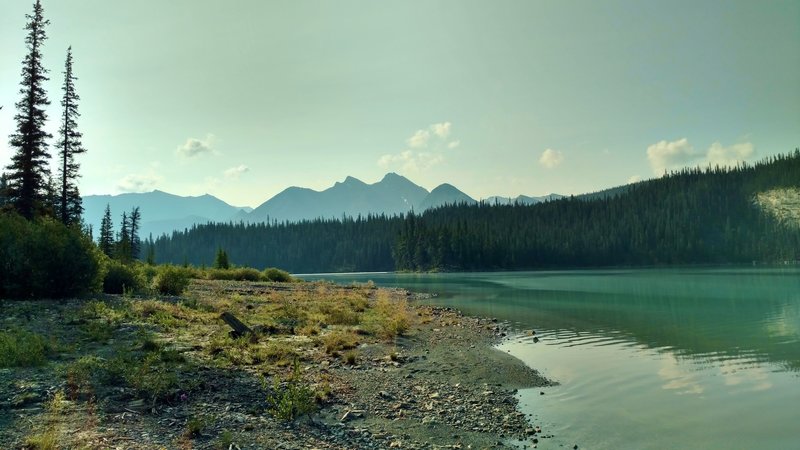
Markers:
<point>348,245</point>
<point>692,216</point>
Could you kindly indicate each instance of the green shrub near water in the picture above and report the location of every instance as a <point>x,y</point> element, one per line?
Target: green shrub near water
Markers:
<point>45,259</point>
<point>171,280</point>
<point>277,275</point>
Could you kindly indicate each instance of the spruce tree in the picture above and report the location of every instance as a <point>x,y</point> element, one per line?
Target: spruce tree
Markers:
<point>69,145</point>
<point>106,238</point>
<point>133,232</point>
<point>28,169</point>
<point>123,246</point>
<point>3,190</point>
<point>221,261</point>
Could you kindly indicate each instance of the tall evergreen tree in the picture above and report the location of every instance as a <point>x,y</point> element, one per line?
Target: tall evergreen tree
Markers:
<point>28,169</point>
<point>106,238</point>
<point>133,231</point>
<point>69,145</point>
<point>3,190</point>
<point>123,246</point>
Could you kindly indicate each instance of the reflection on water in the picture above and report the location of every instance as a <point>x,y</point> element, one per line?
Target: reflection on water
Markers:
<point>684,358</point>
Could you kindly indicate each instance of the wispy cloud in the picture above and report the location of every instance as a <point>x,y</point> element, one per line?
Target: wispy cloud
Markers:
<point>665,156</point>
<point>634,179</point>
<point>196,147</point>
<point>425,149</point>
<point>235,172</point>
<point>441,129</point>
<point>729,156</point>
<point>419,139</point>
<point>139,182</point>
<point>551,159</point>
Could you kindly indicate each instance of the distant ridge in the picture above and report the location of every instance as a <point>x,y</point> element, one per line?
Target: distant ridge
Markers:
<point>393,195</point>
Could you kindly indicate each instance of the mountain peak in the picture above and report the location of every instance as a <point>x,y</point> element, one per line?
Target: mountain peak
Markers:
<point>350,181</point>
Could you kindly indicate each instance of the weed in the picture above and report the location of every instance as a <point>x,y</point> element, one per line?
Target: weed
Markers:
<point>224,441</point>
<point>292,399</point>
<point>194,427</point>
<point>351,357</point>
<point>389,318</point>
<point>98,330</point>
<point>339,340</point>
<point>19,348</point>
<point>46,440</point>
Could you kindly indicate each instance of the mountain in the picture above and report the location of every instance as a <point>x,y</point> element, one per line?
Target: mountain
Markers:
<point>445,194</point>
<point>161,212</point>
<point>520,199</point>
<point>393,195</point>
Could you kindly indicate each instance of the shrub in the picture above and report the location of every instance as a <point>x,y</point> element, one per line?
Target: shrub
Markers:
<point>45,259</point>
<point>388,318</point>
<point>19,348</point>
<point>121,278</point>
<point>240,274</point>
<point>277,275</point>
<point>292,399</point>
<point>339,340</point>
<point>171,280</point>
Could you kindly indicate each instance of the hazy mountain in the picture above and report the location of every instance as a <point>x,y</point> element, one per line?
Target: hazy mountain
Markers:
<point>161,212</point>
<point>520,199</point>
<point>392,195</point>
<point>444,194</point>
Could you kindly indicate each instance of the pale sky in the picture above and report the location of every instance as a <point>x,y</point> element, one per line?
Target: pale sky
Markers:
<point>241,99</point>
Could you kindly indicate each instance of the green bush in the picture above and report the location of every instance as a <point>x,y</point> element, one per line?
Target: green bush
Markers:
<point>292,399</point>
<point>121,277</point>
<point>240,274</point>
<point>277,275</point>
<point>19,348</point>
<point>45,259</point>
<point>171,280</point>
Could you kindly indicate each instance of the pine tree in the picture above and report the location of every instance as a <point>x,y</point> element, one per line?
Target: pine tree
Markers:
<point>151,251</point>
<point>3,190</point>
<point>133,230</point>
<point>69,145</point>
<point>106,238</point>
<point>221,261</point>
<point>123,246</point>
<point>28,169</point>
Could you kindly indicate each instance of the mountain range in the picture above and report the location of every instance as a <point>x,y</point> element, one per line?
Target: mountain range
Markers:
<point>393,195</point>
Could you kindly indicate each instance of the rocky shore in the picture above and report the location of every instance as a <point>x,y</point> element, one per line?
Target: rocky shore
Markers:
<point>442,384</point>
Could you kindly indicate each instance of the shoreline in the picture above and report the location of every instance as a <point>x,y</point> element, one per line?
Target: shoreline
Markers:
<point>442,384</point>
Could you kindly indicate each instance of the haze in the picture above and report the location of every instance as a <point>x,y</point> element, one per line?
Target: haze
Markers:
<point>242,99</point>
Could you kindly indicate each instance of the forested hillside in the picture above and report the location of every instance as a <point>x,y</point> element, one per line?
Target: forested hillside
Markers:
<point>688,217</point>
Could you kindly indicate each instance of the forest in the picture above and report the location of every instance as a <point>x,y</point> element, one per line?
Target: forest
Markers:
<point>692,216</point>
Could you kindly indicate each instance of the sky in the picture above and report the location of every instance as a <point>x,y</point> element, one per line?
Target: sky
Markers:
<point>241,99</point>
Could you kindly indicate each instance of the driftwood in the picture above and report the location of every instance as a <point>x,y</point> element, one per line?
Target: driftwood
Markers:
<point>239,329</point>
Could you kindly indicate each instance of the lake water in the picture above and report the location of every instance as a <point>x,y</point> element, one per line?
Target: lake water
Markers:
<point>646,359</point>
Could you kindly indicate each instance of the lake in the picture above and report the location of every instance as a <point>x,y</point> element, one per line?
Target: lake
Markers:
<point>648,359</point>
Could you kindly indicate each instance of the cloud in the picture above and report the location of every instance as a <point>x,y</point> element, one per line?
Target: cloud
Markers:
<point>551,159</point>
<point>424,149</point>
<point>665,156</point>
<point>411,161</point>
<point>235,172</point>
<point>419,139</point>
<point>729,156</point>
<point>196,147</point>
<point>634,179</point>
<point>670,155</point>
<point>441,129</point>
<point>139,182</point>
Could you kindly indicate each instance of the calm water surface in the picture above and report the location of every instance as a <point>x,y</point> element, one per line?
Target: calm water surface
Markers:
<point>681,358</point>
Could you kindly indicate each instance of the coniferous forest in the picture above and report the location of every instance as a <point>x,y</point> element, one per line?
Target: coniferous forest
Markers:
<point>694,216</point>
